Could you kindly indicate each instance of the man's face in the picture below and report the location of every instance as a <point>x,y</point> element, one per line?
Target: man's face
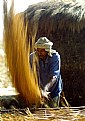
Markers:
<point>41,53</point>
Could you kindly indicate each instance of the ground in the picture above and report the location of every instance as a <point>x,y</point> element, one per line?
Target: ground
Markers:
<point>9,105</point>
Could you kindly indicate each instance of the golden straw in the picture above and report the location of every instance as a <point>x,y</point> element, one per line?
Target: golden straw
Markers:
<point>17,55</point>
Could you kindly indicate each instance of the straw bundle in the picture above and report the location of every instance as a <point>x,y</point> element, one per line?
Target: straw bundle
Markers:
<point>17,55</point>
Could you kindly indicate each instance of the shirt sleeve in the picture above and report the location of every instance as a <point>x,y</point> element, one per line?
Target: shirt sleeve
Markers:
<point>55,66</point>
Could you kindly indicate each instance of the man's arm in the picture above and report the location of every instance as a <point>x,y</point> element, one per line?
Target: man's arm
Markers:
<point>54,71</point>
<point>50,84</point>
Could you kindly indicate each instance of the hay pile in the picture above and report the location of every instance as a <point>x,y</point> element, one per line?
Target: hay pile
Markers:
<point>47,114</point>
<point>17,56</point>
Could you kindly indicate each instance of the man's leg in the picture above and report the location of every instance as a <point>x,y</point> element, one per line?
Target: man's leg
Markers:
<point>53,103</point>
<point>56,101</point>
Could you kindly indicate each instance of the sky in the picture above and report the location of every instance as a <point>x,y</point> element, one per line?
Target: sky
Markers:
<point>19,6</point>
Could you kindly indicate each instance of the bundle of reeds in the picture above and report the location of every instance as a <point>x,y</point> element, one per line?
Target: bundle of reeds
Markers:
<point>17,56</point>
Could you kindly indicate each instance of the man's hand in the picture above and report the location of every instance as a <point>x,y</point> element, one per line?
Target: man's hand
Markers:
<point>45,94</point>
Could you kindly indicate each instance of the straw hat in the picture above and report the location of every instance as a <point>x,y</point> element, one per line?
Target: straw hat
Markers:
<point>45,43</point>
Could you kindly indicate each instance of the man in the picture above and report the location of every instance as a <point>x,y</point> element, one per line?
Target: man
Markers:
<point>48,71</point>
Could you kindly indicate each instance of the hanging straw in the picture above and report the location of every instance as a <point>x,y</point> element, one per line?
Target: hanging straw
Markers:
<point>17,56</point>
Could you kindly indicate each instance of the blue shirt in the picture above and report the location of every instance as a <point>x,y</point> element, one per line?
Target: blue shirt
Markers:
<point>48,69</point>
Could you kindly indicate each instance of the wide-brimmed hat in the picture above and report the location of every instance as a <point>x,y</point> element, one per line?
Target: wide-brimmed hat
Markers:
<point>45,43</point>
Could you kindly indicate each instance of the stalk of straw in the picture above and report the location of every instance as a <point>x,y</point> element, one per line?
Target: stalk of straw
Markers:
<point>17,56</point>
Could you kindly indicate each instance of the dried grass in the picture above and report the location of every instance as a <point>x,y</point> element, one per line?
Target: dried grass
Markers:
<point>47,114</point>
<point>54,15</point>
<point>17,56</point>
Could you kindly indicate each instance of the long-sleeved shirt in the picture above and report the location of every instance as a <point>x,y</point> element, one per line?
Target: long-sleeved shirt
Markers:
<point>48,69</point>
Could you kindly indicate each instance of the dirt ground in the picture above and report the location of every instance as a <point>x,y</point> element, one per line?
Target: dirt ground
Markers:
<point>8,92</point>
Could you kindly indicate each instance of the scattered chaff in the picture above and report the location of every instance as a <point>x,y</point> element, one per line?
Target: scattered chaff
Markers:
<point>48,114</point>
